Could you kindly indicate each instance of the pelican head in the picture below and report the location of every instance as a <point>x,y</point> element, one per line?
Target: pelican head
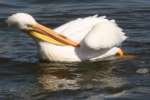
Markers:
<point>21,20</point>
<point>28,24</point>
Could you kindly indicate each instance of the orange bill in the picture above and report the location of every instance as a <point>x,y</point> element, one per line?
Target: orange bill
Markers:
<point>46,34</point>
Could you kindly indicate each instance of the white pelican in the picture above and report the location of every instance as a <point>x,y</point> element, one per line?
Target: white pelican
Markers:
<point>88,38</point>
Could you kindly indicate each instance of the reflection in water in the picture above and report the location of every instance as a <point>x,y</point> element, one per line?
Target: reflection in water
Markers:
<point>88,80</point>
<point>54,76</point>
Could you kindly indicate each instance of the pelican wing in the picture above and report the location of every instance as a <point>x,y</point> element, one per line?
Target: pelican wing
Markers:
<point>104,34</point>
<point>79,28</point>
<point>94,32</point>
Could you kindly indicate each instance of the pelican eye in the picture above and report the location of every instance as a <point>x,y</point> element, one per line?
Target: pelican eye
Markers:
<point>29,27</point>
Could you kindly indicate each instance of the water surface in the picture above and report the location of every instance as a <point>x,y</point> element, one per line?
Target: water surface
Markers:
<point>23,77</point>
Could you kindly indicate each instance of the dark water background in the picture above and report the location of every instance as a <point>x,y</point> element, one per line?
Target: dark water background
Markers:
<point>23,77</point>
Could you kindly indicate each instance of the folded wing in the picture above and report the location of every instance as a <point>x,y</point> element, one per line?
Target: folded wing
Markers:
<point>104,34</point>
<point>79,28</point>
<point>94,32</point>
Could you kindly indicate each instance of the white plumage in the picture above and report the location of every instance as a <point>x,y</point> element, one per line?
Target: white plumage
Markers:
<point>96,32</point>
<point>98,38</point>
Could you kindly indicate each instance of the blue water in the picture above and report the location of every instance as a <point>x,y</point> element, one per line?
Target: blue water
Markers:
<point>23,77</point>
